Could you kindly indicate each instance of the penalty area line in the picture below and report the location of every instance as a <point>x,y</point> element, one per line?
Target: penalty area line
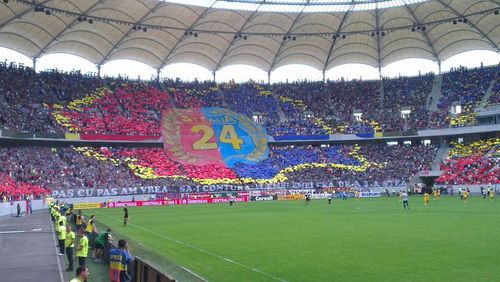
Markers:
<point>199,249</point>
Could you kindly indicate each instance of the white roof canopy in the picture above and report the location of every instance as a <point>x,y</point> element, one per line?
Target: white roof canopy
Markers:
<point>319,33</point>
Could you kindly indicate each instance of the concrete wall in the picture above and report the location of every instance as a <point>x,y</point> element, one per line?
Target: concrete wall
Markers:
<point>8,209</point>
<point>105,199</point>
<point>474,189</point>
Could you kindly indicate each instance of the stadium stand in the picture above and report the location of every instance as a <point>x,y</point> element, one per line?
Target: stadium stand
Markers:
<point>79,104</point>
<point>67,131</point>
<point>95,106</point>
<point>13,190</point>
<point>102,167</point>
<point>466,86</point>
<point>495,92</point>
<point>23,94</point>
<point>472,163</point>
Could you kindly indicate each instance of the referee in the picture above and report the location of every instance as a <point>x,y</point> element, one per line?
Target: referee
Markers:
<point>125,215</point>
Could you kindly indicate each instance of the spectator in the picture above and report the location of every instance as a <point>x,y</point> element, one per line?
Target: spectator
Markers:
<point>82,274</point>
<point>119,261</point>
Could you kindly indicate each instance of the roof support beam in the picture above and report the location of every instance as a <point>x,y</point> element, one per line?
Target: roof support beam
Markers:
<point>297,18</point>
<point>180,40</point>
<point>20,15</point>
<point>334,40</point>
<point>426,36</point>
<point>23,37</point>
<point>106,57</point>
<point>471,24</point>
<point>378,34</point>
<point>70,25</point>
<point>251,17</point>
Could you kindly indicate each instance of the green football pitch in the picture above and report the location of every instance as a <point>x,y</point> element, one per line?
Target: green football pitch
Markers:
<point>353,240</point>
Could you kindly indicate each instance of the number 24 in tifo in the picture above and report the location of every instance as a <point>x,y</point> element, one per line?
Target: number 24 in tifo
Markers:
<point>227,135</point>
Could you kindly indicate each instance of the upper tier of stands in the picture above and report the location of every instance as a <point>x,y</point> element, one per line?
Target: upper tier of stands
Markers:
<point>41,102</point>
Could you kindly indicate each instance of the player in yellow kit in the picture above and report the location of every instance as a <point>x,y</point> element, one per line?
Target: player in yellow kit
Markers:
<point>435,194</point>
<point>427,198</point>
<point>465,196</point>
<point>492,195</point>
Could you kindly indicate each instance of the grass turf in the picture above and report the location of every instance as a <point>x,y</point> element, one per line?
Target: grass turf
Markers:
<point>353,240</point>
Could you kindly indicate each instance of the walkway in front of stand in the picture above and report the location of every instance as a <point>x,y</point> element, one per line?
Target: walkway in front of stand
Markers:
<point>28,250</point>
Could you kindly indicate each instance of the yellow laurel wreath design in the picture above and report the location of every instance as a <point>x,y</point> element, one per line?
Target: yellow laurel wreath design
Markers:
<point>172,136</point>
<point>258,136</point>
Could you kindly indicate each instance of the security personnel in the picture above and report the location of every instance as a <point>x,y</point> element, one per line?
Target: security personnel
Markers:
<point>69,243</point>
<point>61,236</point>
<point>83,248</point>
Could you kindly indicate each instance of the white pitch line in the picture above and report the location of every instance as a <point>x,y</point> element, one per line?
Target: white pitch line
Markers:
<point>57,253</point>
<point>12,232</point>
<point>199,249</point>
<point>188,270</point>
<point>20,231</point>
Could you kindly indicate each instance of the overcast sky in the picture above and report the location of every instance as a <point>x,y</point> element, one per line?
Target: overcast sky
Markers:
<point>241,73</point>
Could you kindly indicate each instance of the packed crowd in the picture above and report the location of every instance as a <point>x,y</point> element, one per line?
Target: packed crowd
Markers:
<point>476,162</point>
<point>67,168</point>
<point>43,101</point>
<point>384,163</point>
<point>23,94</point>
<point>102,167</point>
<point>12,190</point>
<point>409,93</point>
<point>334,103</point>
<point>281,158</point>
<point>466,86</point>
<point>495,92</point>
<point>133,109</point>
<point>122,167</point>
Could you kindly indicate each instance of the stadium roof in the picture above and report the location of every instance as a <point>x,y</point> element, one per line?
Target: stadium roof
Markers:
<point>263,33</point>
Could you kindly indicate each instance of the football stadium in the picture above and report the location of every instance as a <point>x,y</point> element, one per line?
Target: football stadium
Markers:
<point>336,176</point>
